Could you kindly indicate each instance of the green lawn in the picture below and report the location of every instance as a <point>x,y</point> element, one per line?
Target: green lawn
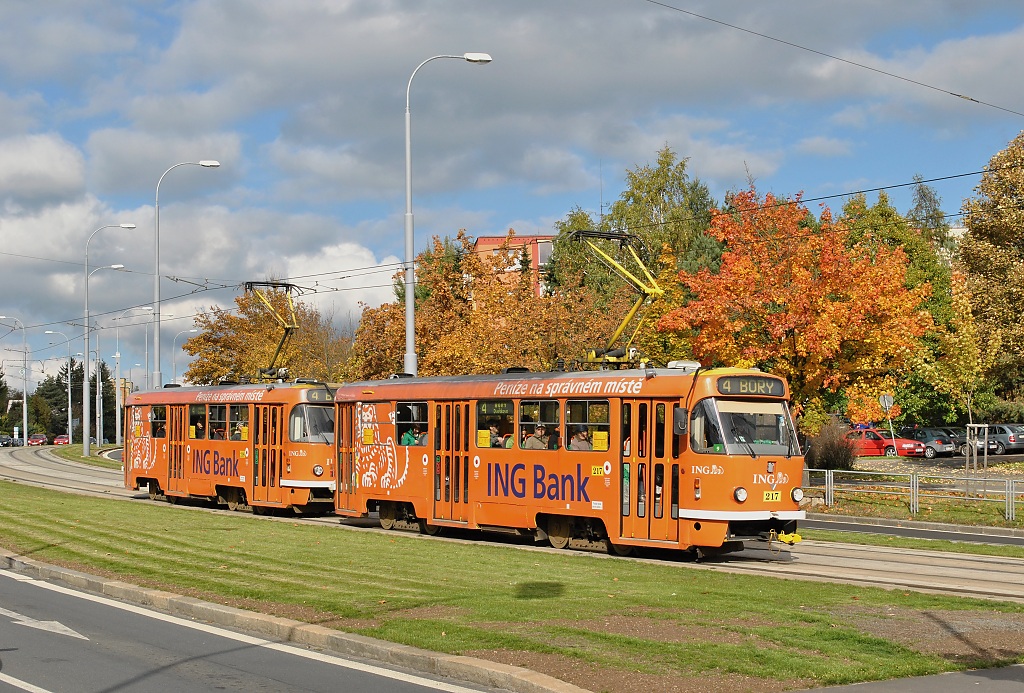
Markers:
<point>74,453</point>
<point>610,614</point>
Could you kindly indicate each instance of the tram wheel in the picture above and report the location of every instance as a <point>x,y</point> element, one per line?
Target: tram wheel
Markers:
<point>428,529</point>
<point>236,499</point>
<point>620,549</point>
<point>558,531</point>
<point>173,500</point>
<point>154,490</point>
<point>386,513</point>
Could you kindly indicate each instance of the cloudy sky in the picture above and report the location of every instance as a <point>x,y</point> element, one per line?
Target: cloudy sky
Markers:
<point>303,102</point>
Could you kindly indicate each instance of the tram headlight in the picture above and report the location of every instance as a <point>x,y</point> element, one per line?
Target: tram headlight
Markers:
<point>797,494</point>
<point>318,470</point>
<point>740,494</point>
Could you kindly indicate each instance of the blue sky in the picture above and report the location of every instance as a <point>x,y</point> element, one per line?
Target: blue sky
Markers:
<point>302,102</point>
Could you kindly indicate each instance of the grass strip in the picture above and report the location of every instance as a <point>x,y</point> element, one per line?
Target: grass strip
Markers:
<point>666,620</point>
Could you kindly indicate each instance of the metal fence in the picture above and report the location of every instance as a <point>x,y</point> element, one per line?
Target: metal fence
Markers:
<point>966,488</point>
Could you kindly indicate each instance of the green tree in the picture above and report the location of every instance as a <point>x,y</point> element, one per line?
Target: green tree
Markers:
<point>927,215</point>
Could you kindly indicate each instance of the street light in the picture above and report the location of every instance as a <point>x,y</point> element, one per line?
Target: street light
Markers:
<point>410,272</point>
<point>174,353</point>
<point>156,268</point>
<point>85,331</point>
<point>69,379</point>
<point>119,395</point>
<point>24,373</point>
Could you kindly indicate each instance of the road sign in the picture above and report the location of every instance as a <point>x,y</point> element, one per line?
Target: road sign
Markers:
<point>886,402</point>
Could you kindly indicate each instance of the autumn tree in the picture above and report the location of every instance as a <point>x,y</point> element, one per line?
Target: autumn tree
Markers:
<point>991,254</point>
<point>238,343</point>
<point>965,355</point>
<point>804,303</point>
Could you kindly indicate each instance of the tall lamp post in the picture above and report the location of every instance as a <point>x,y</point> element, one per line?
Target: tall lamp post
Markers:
<point>119,394</point>
<point>174,353</point>
<point>157,380</point>
<point>85,331</point>
<point>410,257</point>
<point>24,373</point>
<point>70,435</point>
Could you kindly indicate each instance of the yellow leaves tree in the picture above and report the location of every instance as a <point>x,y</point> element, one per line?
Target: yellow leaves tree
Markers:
<point>966,353</point>
<point>234,344</point>
<point>992,257</point>
<point>800,300</point>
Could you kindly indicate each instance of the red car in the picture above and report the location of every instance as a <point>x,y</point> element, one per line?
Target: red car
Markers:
<point>876,442</point>
<point>62,439</point>
<point>37,439</point>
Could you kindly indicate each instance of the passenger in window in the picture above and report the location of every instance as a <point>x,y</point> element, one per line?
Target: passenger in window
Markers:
<point>496,441</point>
<point>539,439</point>
<point>200,429</point>
<point>580,440</point>
<point>412,435</point>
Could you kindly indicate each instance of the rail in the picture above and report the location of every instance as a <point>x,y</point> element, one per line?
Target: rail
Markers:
<point>827,483</point>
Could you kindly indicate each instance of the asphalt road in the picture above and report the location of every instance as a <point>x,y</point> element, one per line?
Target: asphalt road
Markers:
<point>54,638</point>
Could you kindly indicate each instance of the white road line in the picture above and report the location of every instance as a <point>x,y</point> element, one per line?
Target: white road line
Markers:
<point>247,639</point>
<point>23,685</point>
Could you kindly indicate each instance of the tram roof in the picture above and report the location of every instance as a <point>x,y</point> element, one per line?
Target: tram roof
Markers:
<point>236,393</point>
<point>622,382</point>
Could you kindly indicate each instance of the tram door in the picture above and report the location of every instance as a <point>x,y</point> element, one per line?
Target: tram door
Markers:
<point>451,461</point>
<point>267,455</point>
<point>177,448</point>
<point>648,474</point>
<point>346,463</point>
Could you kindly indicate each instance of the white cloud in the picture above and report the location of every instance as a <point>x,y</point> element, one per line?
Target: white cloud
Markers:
<point>40,167</point>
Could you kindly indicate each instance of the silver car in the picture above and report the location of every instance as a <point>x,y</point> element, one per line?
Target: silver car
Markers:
<point>936,441</point>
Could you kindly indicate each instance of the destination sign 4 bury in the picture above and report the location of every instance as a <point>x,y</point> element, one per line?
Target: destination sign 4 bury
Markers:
<point>751,385</point>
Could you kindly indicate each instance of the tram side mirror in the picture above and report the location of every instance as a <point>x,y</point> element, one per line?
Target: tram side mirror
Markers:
<point>679,418</point>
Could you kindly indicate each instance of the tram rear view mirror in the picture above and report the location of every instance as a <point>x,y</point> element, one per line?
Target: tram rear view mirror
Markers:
<point>679,418</point>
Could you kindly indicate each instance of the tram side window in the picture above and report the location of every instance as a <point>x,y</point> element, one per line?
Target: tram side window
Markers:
<point>659,432</point>
<point>311,423</point>
<point>197,421</point>
<point>218,421</point>
<point>539,424</point>
<point>587,424</point>
<point>705,436</point>
<point>411,423</point>
<point>158,421</point>
<point>238,420</point>
<point>495,423</point>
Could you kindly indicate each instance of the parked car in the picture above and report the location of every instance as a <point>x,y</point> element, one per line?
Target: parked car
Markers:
<point>1008,437</point>
<point>62,439</point>
<point>868,442</point>
<point>936,441</point>
<point>959,435</point>
<point>37,439</point>
<point>6,441</point>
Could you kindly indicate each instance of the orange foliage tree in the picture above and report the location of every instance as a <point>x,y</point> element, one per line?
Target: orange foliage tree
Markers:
<point>806,303</point>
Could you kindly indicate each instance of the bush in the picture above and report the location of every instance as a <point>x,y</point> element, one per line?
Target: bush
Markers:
<point>830,449</point>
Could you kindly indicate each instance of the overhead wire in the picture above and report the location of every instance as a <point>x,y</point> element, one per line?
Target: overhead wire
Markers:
<point>834,57</point>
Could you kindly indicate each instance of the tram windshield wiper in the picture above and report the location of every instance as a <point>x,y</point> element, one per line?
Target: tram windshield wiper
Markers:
<point>738,437</point>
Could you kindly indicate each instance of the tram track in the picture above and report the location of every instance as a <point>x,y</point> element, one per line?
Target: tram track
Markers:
<point>936,572</point>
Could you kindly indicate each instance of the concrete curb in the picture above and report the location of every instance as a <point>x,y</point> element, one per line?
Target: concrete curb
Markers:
<point>468,669</point>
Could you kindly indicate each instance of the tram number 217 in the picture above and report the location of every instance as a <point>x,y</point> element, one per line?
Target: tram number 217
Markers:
<point>772,496</point>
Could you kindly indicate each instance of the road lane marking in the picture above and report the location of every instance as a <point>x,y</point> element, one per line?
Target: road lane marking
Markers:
<point>23,685</point>
<point>50,626</point>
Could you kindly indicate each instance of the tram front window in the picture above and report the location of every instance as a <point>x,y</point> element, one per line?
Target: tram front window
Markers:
<point>757,428</point>
<point>312,423</point>
<point>742,427</point>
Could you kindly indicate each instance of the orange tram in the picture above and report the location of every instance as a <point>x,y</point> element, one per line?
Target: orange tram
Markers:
<point>264,447</point>
<point>677,458</point>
